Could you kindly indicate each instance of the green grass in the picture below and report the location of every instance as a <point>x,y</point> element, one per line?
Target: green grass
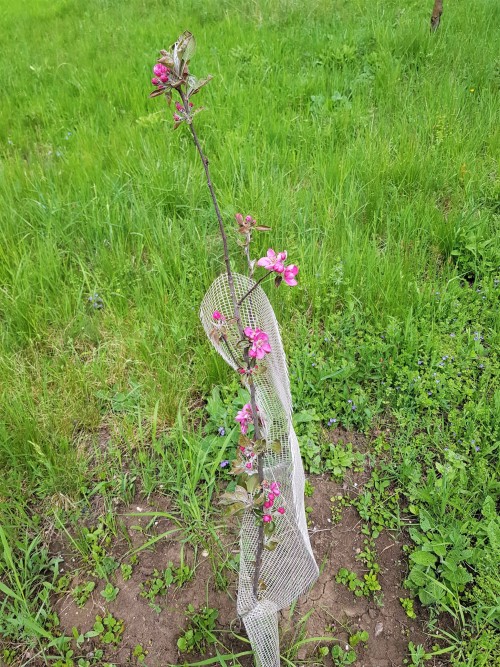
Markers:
<point>371,148</point>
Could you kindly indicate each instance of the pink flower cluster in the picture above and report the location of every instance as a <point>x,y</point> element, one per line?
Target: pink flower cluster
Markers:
<point>260,342</point>
<point>272,493</point>
<point>182,111</point>
<point>276,262</point>
<point>251,459</point>
<point>247,222</point>
<point>218,316</point>
<point>244,417</point>
<point>161,74</point>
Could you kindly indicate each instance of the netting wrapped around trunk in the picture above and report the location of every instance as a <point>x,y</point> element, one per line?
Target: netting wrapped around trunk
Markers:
<point>290,569</point>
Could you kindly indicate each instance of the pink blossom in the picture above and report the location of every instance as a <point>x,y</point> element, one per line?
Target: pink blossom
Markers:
<point>289,274</point>
<point>218,316</point>
<point>267,518</point>
<point>275,488</point>
<point>179,106</point>
<point>273,261</point>
<point>244,417</point>
<point>270,497</point>
<point>155,81</point>
<point>260,342</point>
<point>268,504</point>
<point>247,371</point>
<point>177,117</point>
<point>160,70</point>
<point>164,78</point>
<point>281,510</point>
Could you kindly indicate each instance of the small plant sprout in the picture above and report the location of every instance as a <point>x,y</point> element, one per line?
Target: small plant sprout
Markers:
<point>240,323</point>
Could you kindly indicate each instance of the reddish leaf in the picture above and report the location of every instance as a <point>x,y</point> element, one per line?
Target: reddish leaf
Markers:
<point>155,93</point>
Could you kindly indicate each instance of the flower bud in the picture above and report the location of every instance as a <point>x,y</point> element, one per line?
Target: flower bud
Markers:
<point>160,69</point>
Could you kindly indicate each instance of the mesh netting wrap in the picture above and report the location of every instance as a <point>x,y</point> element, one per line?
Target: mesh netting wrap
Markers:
<point>290,569</point>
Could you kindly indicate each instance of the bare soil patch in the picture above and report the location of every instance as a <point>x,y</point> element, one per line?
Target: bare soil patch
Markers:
<point>334,610</point>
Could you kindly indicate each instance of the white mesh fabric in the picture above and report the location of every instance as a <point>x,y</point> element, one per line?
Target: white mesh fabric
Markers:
<point>290,569</point>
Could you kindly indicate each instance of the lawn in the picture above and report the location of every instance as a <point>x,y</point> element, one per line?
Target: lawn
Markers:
<point>371,148</point>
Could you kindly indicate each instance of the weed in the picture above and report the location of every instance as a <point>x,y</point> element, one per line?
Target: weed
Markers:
<point>378,505</point>
<point>357,637</point>
<point>308,489</point>
<point>339,503</point>
<point>200,630</point>
<point>82,593</point>
<point>417,655</point>
<point>139,653</point>
<point>110,592</point>
<point>158,584</point>
<point>109,629</point>
<point>407,604</point>
<point>340,458</point>
<point>366,586</point>
<point>343,657</point>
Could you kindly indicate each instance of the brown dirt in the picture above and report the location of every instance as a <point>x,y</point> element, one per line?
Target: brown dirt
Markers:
<point>334,610</point>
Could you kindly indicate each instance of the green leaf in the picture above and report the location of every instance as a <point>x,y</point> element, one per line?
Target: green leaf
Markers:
<point>239,495</point>
<point>423,558</point>
<point>488,510</point>
<point>493,532</point>
<point>195,85</point>
<point>417,576</point>
<point>259,446</point>
<point>438,548</point>
<point>276,446</point>
<point>425,523</point>
<point>271,543</point>
<point>431,593</point>
<point>252,483</point>
<point>244,441</point>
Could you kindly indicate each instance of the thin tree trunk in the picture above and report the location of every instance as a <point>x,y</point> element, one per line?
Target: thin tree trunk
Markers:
<point>436,15</point>
<point>237,316</point>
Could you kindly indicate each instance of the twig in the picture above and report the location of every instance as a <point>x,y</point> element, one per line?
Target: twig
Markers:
<point>260,470</point>
<point>252,288</point>
<point>204,161</point>
<point>236,306</point>
<point>229,349</point>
